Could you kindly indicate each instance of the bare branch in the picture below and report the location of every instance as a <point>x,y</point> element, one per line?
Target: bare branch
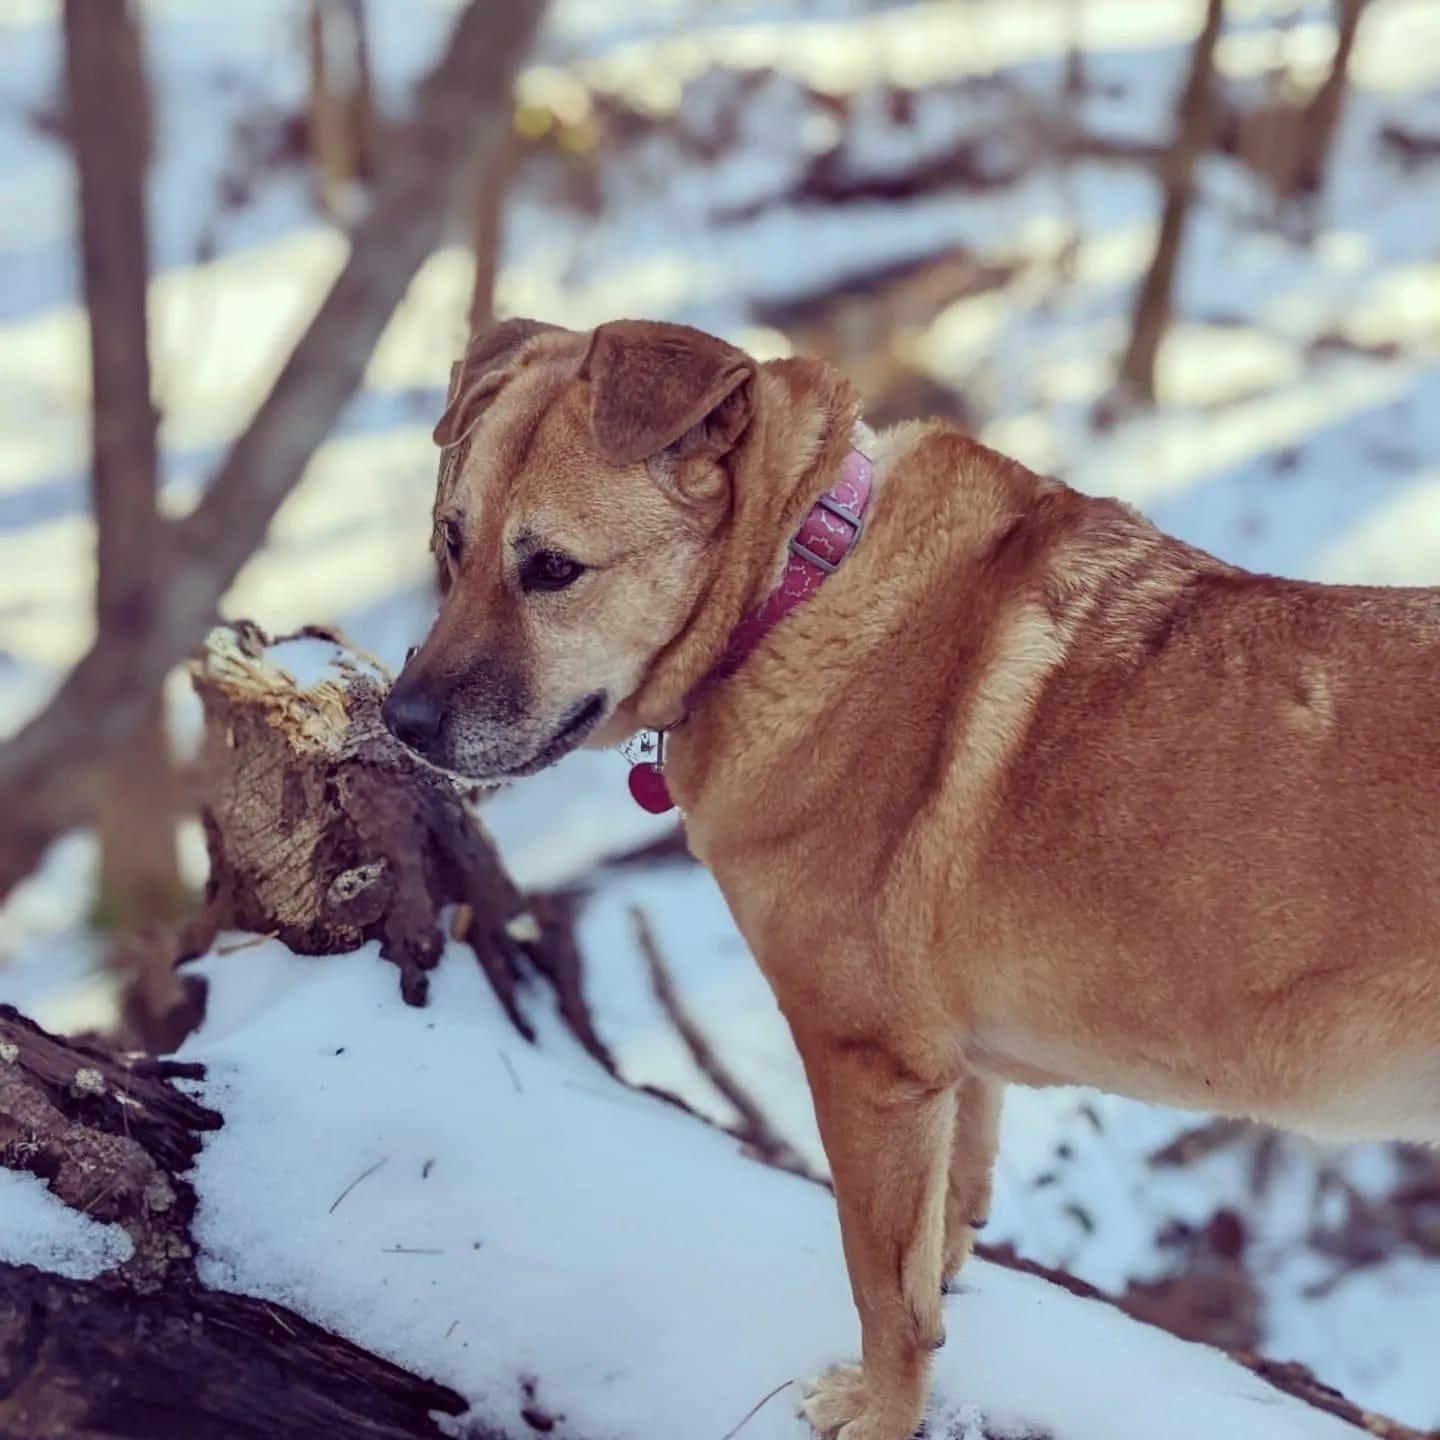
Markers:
<point>1322,115</point>
<point>1195,121</point>
<point>464,104</point>
<point>754,1130</point>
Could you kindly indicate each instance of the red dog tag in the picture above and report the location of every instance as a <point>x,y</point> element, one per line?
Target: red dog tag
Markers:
<point>649,790</point>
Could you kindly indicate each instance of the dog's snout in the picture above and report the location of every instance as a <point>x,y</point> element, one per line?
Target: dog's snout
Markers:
<point>412,713</point>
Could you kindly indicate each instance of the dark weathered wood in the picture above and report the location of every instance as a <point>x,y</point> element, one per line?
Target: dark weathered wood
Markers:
<point>145,1352</point>
<point>464,104</point>
<point>88,1361</point>
<point>111,1139</point>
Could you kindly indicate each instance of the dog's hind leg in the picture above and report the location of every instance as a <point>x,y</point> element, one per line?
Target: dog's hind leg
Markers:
<point>889,1141</point>
<point>972,1164</point>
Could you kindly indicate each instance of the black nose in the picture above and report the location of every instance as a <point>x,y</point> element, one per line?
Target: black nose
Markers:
<point>412,714</point>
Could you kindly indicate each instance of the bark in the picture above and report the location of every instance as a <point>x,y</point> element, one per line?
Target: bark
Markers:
<point>326,832</point>
<point>136,809</point>
<point>1322,115</point>
<point>344,127</point>
<point>109,131</point>
<point>493,170</point>
<point>1195,125</point>
<point>464,105</point>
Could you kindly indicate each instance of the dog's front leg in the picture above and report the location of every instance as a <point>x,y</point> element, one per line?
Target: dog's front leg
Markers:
<point>972,1165</point>
<point>888,1138</point>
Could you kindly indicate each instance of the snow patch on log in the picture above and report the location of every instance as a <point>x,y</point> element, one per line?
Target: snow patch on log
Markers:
<point>510,1220</point>
<point>43,1231</point>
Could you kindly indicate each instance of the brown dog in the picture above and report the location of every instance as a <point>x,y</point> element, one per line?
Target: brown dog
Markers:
<point>1026,792</point>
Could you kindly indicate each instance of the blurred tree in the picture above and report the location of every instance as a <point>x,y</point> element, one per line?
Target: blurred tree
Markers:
<point>493,169</point>
<point>1322,114</point>
<point>1287,140</point>
<point>1074,84</point>
<point>109,130</point>
<point>345,135</point>
<point>1195,122</point>
<point>464,104</point>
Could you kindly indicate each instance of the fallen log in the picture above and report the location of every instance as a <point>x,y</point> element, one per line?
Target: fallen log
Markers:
<point>145,1350</point>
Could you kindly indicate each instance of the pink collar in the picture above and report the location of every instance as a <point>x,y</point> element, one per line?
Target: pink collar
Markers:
<point>828,534</point>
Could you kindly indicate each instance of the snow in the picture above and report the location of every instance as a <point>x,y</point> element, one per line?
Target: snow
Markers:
<point>42,1231</point>
<point>1272,449</point>
<point>1074,1184</point>
<point>565,821</point>
<point>483,1211</point>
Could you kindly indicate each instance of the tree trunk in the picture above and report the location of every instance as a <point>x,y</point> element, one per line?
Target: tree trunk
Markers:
<point>326,832</point>
<point>1322,115</point>
<point>344,126</point>
<point>136,806</point>
<point>463,105</point>
<point>1195,122</point>
<point>493,170</point>
<point>108,113</point>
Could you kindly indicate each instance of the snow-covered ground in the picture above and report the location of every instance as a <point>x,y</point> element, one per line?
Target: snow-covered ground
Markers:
<point>1299,432</point>
<point>484,1211</point>
<point>1075,1185</point>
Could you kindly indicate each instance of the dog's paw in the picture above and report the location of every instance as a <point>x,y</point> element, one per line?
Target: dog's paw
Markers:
<point>832,1400</point>
<point>834,1404</point>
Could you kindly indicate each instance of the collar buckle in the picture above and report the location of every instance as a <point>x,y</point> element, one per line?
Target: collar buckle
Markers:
<point>845,513</point>
<point>842,513</point>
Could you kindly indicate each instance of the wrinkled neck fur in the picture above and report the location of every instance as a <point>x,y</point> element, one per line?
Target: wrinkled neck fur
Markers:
<point>805,423</point>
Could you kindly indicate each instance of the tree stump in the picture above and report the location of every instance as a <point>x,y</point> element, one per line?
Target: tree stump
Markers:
<point>326,832</point>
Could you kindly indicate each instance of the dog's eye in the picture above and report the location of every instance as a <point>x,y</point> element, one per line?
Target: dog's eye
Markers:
<point>549,570</point>
<point>452,536</point>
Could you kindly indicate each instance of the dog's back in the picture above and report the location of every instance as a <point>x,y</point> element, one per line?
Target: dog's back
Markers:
<point>1221,833</point>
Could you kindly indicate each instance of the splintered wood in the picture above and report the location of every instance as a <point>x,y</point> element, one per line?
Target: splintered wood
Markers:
<point>325,832</point>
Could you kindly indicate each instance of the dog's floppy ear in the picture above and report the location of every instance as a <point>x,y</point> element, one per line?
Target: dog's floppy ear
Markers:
<point>652,384</point>
<point>475,378</point>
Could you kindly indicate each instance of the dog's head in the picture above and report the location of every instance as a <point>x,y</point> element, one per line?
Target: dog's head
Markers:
<point>584,480</point>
